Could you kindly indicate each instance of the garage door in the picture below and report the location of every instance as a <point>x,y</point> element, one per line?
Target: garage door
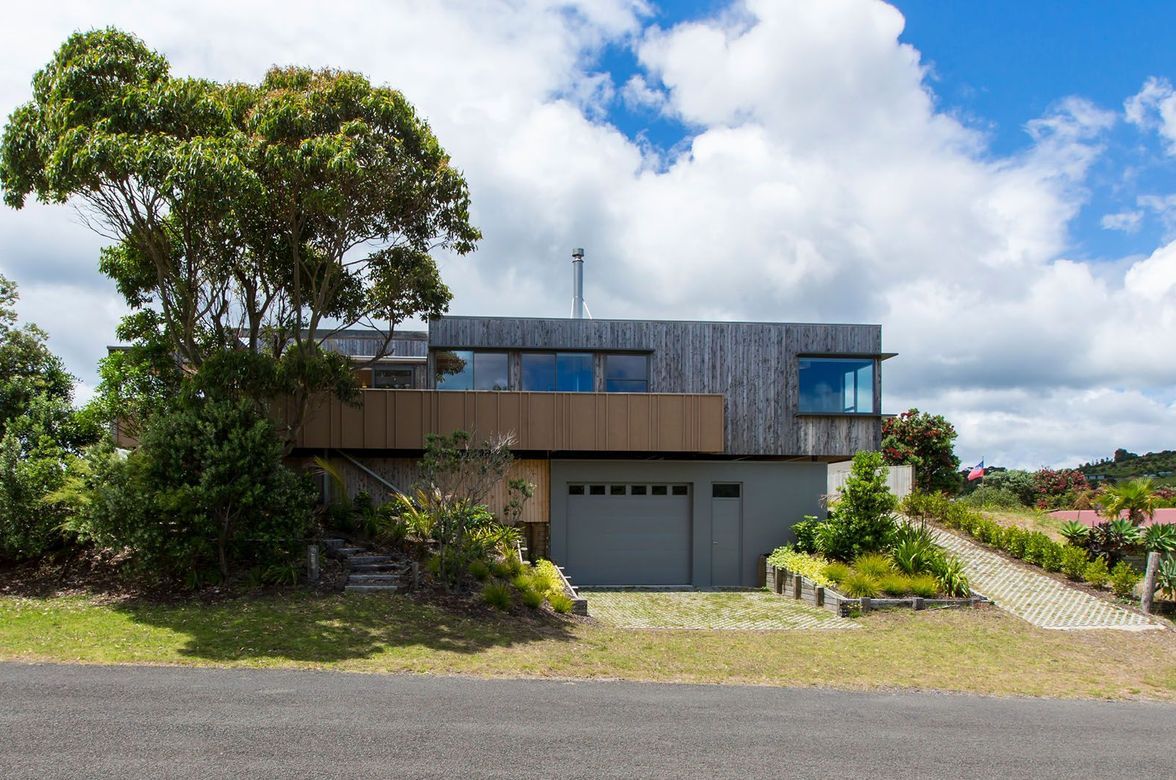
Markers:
<point>628,534</point>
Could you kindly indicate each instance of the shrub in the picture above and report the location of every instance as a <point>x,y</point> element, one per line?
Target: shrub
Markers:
<point>479,570</point>
<point>895,584</point>
<point>924,585</point>
<point>862,519</point>
<point>949,571</point>
<point>533,599</point>
<point>858,585</point>
<point>1160,538</point>
<point>497,595</point>
<point>924,441</point>
<point>1052,555</point>
<point>988,497</point>
<point>523,582</point>
<point>206,491</point>
<point>921,506</point>
<point>1113,538</point>
<point>560,602</point>
<point>507,567</point>
<point>547,577</point>
<point>1166,578</point>
<point>806,534</point>
<point>1013,481</point>
<point>811,566</point>
<point>1124,578</point>
<point>1074,562</point>
<point>1074,532</point>
<point>1015,540</point>
<point>873,565</point>
<point>913,556</point>
<point>836,572</point>
<point>1096,573</point>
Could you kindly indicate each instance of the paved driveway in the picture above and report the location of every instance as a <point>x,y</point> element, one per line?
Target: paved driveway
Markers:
<point>739,610</point>
<point>131,722</point>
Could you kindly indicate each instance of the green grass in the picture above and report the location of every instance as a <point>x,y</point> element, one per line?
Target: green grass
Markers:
<point>1029,519</point>
<point>983,651</point>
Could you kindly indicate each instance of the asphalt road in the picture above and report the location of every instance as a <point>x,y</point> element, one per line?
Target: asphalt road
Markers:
<point>139,722</point>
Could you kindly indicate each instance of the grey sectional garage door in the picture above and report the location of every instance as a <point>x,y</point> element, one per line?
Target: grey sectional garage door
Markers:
<point>629,534</point>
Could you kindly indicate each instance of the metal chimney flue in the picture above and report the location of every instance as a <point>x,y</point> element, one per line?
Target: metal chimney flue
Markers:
<point>578,283</point>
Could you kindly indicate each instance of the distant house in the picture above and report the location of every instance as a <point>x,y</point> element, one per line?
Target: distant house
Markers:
<point>664,453</point>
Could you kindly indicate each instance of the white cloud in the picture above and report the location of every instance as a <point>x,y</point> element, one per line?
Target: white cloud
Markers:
<point>819,182</point>
<point>1154,108</point>
<point>1124,221</point>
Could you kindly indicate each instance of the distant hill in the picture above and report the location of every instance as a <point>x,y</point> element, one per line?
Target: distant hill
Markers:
<point>1160,466</point>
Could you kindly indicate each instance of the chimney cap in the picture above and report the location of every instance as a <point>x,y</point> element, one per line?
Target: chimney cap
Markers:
<point>578,253</point>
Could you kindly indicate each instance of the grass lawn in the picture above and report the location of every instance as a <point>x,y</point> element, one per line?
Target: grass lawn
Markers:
<point>975,651</point>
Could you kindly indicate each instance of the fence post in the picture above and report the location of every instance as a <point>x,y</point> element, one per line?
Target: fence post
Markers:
<point>1149,582</point>
<point>312,563</point>
<point>797,583</point>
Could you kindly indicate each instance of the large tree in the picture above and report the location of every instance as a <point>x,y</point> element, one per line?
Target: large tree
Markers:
<point>245,217</point>
<point>926,442</point>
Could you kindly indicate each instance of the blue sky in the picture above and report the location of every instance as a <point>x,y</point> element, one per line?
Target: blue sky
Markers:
<point>949,173</point>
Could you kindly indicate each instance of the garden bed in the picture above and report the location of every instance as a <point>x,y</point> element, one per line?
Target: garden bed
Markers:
<point>797,586</point>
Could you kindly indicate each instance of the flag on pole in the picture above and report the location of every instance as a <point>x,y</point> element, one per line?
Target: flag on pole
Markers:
<point>977,471</point>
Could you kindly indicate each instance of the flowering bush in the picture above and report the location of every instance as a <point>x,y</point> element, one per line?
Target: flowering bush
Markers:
<point>924,441</point>
<point>1054,488</point>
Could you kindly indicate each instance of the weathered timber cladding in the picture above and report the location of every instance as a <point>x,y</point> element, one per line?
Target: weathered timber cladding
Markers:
<point>754,365</point>
<point>405,343</point>
<point>544,422</point>
<point>405,474</point>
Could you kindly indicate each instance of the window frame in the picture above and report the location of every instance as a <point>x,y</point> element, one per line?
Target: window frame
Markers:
<point>872,362</point>
<point>471,369</point>
<point>606,379</point>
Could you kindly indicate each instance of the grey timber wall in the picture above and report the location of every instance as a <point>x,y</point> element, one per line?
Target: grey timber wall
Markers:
<point>754,365</point>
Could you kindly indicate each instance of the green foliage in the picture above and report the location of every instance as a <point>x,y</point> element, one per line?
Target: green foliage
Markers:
<point>547,578</point>
<point>926,442</point>
<point>560,602</point>
<point>862,520</point>
<point>1075,532</point>
<point>895,584</point>
<point>1160,538</point>
<point>1113,539</point>
<point>1015,481</point>
<point>873,565</point>
<point>497,595</point>
<point>806,534</point>
<point>1097,574</point>
<point>1136,498</point>
<point>914,550</point>
<point>479,570</point>
<point>859,586</point>
<point>836,572</point>
<point>1124,578</point>
<point>40,434</point>
<point>989,497</point>
<point>804,564</point>
<point>508,567</point>
<point>1074,562</point>
<point>311,197</point>
<point>1166,578</point>
<point>953,580</point>
<point>533,599</point>
<point>925,585</point>
<point>206,491</point>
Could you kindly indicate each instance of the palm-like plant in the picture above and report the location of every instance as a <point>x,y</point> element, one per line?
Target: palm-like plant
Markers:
<point>1160,538</point>
<point>1137,498</point>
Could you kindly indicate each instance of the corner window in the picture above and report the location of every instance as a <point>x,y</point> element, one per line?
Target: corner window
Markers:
<point>626,373</point>
<point>837,385</point>
<point>567,372</point>
<point>468,370</point>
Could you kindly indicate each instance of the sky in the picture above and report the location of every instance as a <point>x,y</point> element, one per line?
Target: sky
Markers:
<point>994,183</point>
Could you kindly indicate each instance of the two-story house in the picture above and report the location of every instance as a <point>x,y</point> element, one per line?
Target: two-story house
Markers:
<point>664,453</point>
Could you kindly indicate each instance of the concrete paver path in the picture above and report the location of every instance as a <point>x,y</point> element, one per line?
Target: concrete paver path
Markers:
<point>735,610</point>
<point>1035,596</point>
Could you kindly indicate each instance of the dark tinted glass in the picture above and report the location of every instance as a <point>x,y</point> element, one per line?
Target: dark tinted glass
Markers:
<point>637,490</point>
<point>490,371</point>
<point>659,490</point>
<point>681,490</point>
<point>575,490</point>
<point>616,490</point>
<point>626,373</point>
<point>455,370</point>
<point>725,490</point>
<point>538,371</point>
<point>836,385</point>
<point>573,372</point>
<point>596,490</point>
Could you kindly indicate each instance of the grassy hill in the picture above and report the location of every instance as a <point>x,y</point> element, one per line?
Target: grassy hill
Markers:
<point>1160,466</point>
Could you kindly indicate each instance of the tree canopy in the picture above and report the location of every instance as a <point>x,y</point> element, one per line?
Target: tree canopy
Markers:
<point>926,442</point>
<point>244,217</point>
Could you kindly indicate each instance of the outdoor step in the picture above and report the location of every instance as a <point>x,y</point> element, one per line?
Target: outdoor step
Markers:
<point>349,551</point>
<point>377,568</point>
<point>333,541</point>
<point>370,589</point>
<point>373,579</point>
<point>362,559</point>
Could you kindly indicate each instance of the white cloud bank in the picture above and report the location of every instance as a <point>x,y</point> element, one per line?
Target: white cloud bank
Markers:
<point>820,183</point>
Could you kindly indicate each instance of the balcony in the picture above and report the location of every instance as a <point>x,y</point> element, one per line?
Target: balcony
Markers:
<point>544,422</point>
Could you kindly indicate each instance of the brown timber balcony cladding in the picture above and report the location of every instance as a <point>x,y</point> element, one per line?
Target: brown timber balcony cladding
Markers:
<point>569,422</point>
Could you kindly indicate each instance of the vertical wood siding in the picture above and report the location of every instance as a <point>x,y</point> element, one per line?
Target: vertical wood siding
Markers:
<point>753,365</point>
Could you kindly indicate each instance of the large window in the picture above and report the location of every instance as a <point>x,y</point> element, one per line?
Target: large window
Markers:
<point>467,370</point>
<point>626,373</point>
<point>567,372</point>
<point>395,377</point>
<point>837,385</point>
